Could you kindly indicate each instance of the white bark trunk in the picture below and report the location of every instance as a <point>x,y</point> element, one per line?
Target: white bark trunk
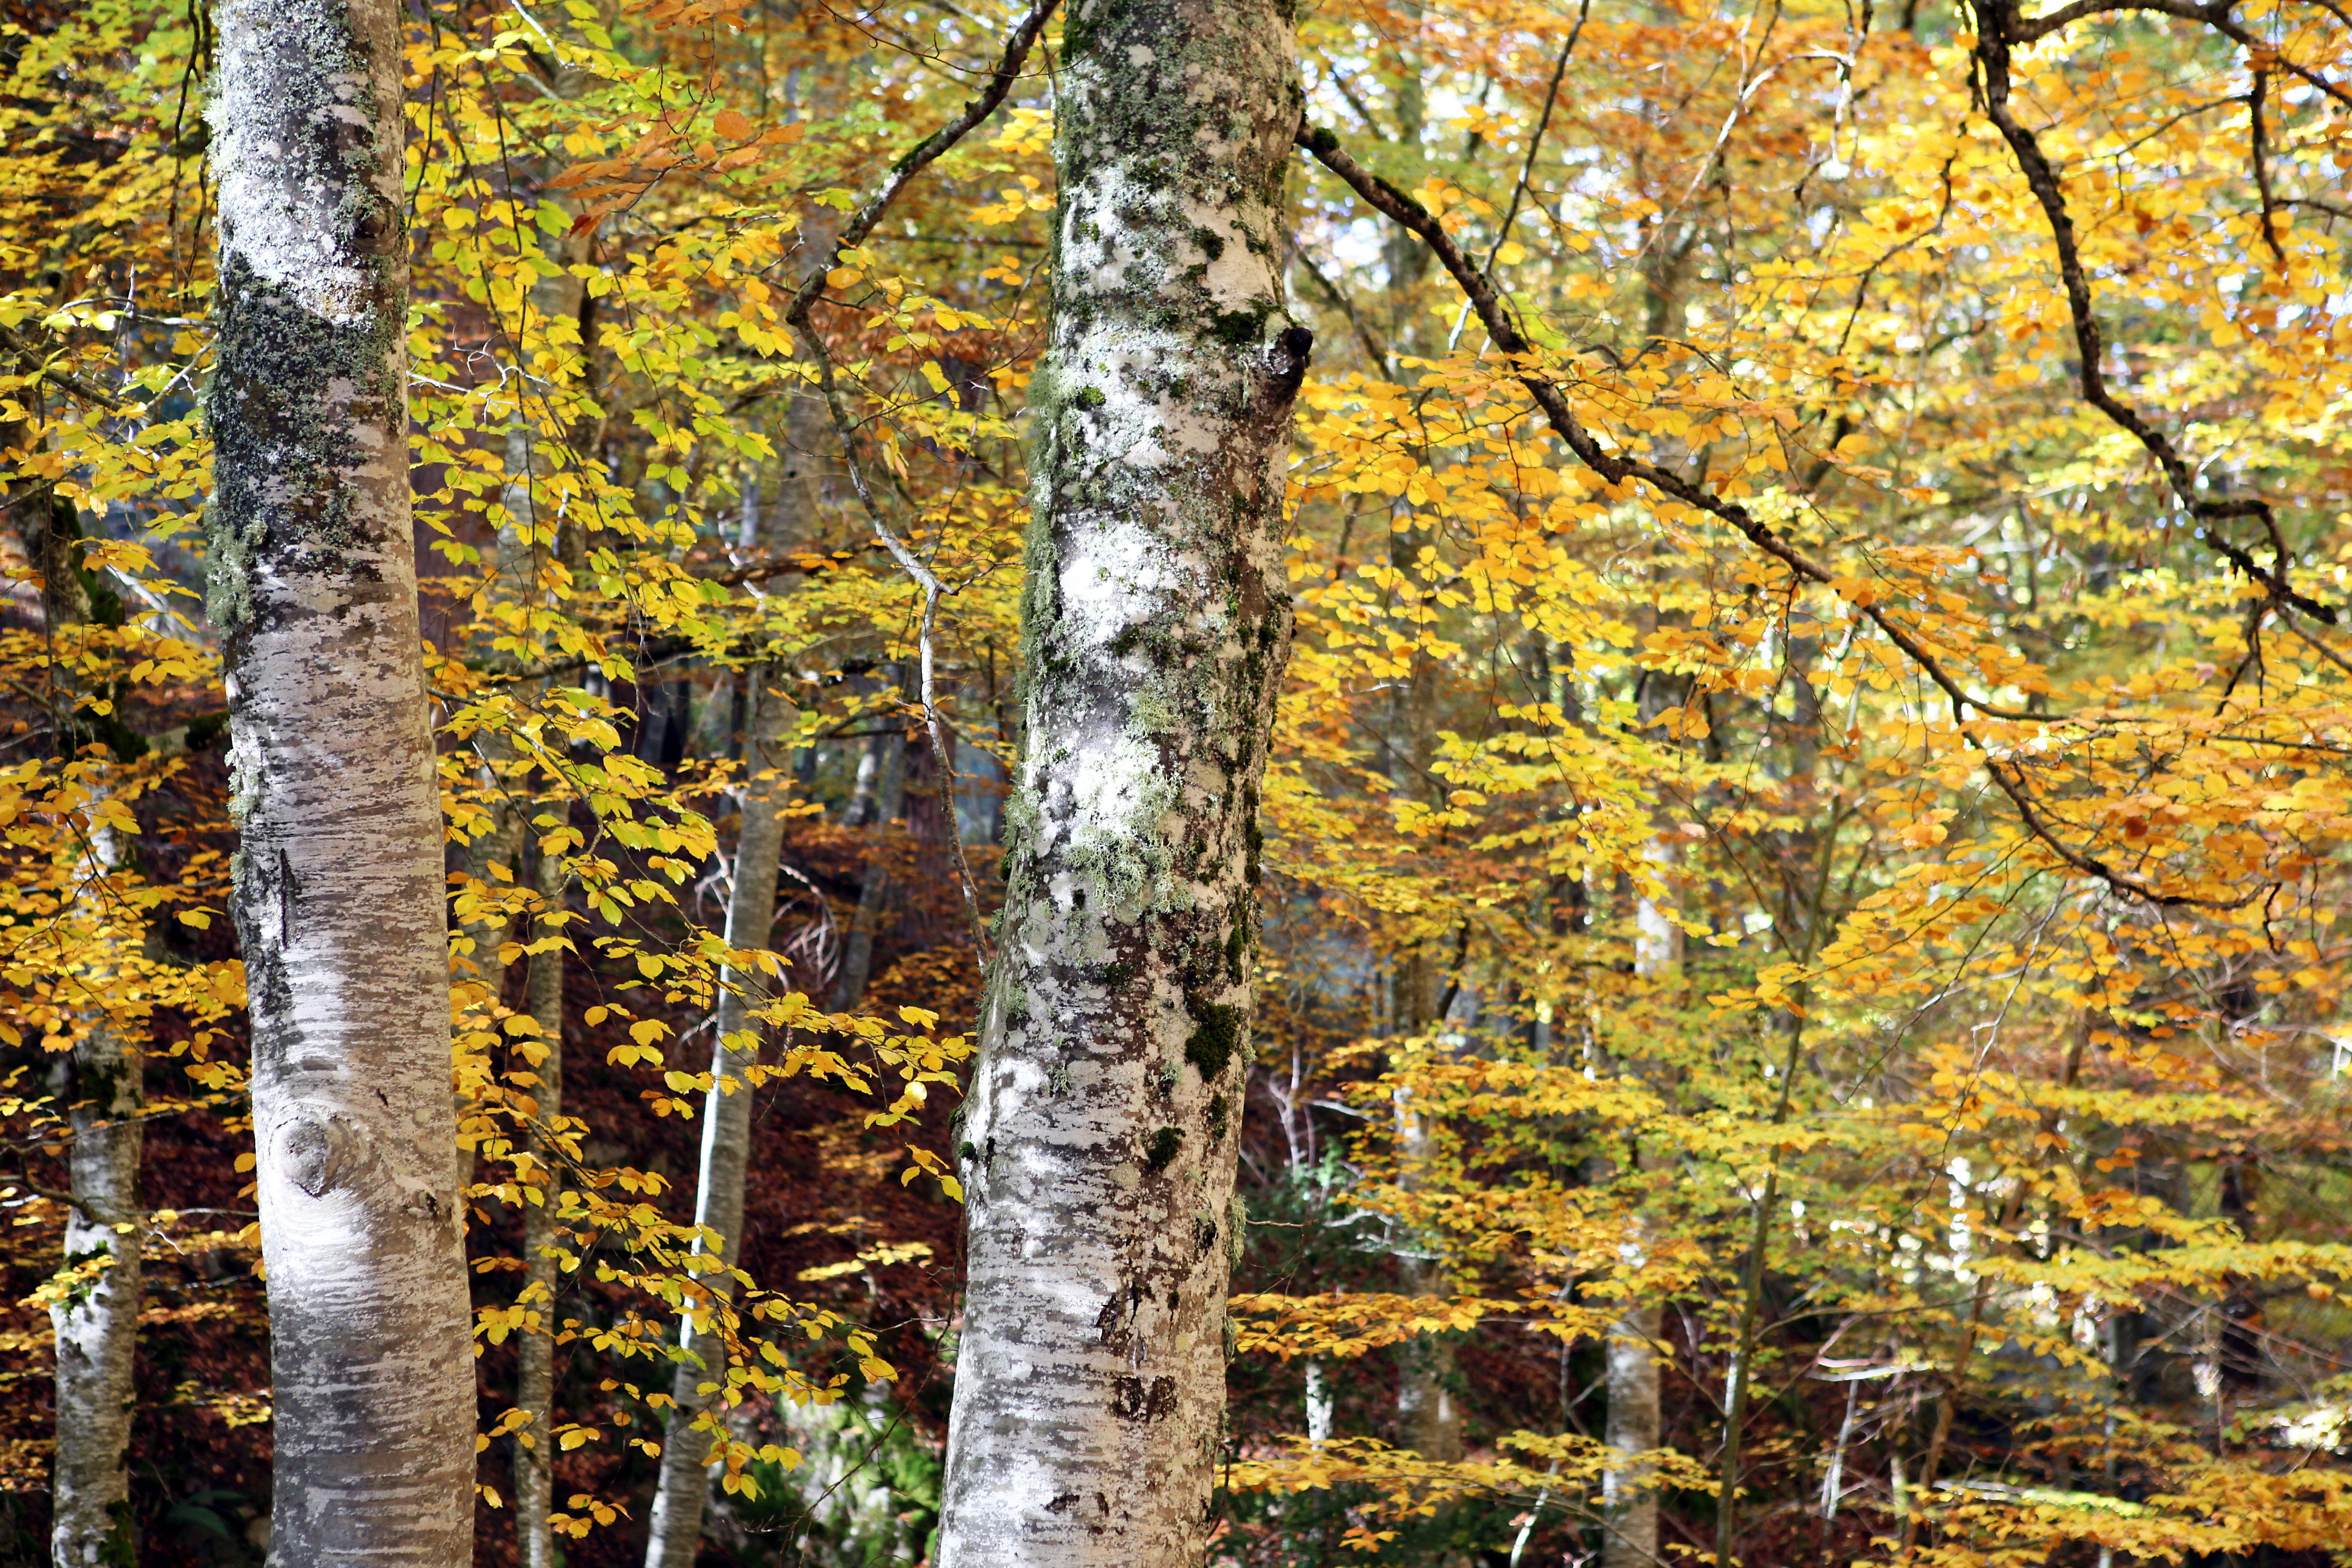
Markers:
<point>98,1329</point>
<point>534,1476</point>
<point>1628,1504</point>
<point>1320,1404</point>
<point>339,886</point>
<point>685,1483</point>
<point>1629,1511</point>
<point>1099,1151</point>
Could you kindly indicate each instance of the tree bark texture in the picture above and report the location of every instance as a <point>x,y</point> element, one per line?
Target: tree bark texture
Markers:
<point>1099,1151</point>
<point>685,1483</point>
<point>98,1328</point>
<point>339,895</point>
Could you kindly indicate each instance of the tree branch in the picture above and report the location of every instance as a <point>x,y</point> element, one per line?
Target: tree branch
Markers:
<point>1618,469</point>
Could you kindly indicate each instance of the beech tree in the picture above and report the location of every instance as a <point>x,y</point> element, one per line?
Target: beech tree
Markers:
<point>339,901</point>
<point>1156,624</point>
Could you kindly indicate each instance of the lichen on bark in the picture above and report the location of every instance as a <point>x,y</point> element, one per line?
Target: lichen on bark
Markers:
<point>1097,1154</point>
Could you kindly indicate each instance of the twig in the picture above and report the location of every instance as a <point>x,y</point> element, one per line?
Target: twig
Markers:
<point>1528,164</point>
<point>43,370</point>
<point>2260,147</point>
<point>1998,24</point>
<point>861,224</point>
<point>1618,469</point>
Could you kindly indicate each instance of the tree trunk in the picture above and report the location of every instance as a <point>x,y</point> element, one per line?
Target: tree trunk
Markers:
<point>1628,1504</point>
<point>1099,1153</point>
<point>534,1475</point>
<point>684,1487</point>
<point>1428,1422</point>
<point>524,545</point>
<point>98,1327</point>
<point>1628,1499</point>
<point>339,895</point>
<point>726,1129</point>
<point>858,951</point>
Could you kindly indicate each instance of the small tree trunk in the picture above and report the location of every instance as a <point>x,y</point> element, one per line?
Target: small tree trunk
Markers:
<point>1629,1498</point>
<point>1428,1422</point>
<point>684,1487</point>
<point>97,1329</point>
<point>858,951</point>
<point>1629,1505</point>
<point>523,546</point>
<point>339,895</point>
<point>685,1483</point>
<point>534,1476</point>
<point>1099,1153</point>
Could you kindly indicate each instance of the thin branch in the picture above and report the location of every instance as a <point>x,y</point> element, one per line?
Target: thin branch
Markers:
<point>923,154</point>
<point>2033,29</point>
<point>1999,24</point>
<point>1620,470</point>
<point>2260,149</point>
<point>1528,164</point>
<point>861,224</point>
<point>45,370</point>
<point>1614,468</point>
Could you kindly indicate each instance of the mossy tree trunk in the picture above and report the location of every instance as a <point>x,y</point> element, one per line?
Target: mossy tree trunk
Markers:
<point>1098,1148</point>
<point>338,898</point>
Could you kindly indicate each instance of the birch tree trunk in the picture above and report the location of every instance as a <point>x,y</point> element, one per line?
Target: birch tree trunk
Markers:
<point>1099,1149</point>
<point>685,1483</point>
<point>98,1329</point>
<point>339,897</point>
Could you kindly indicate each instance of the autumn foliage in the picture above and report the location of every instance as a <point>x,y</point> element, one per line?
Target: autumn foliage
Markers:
<point>1810,791</point>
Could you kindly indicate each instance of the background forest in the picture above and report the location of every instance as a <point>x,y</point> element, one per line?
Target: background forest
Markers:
<point>1801,996</point>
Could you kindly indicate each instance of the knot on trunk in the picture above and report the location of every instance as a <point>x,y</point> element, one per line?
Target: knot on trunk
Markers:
<point>320,1153</point>
<point>1286,357</point>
